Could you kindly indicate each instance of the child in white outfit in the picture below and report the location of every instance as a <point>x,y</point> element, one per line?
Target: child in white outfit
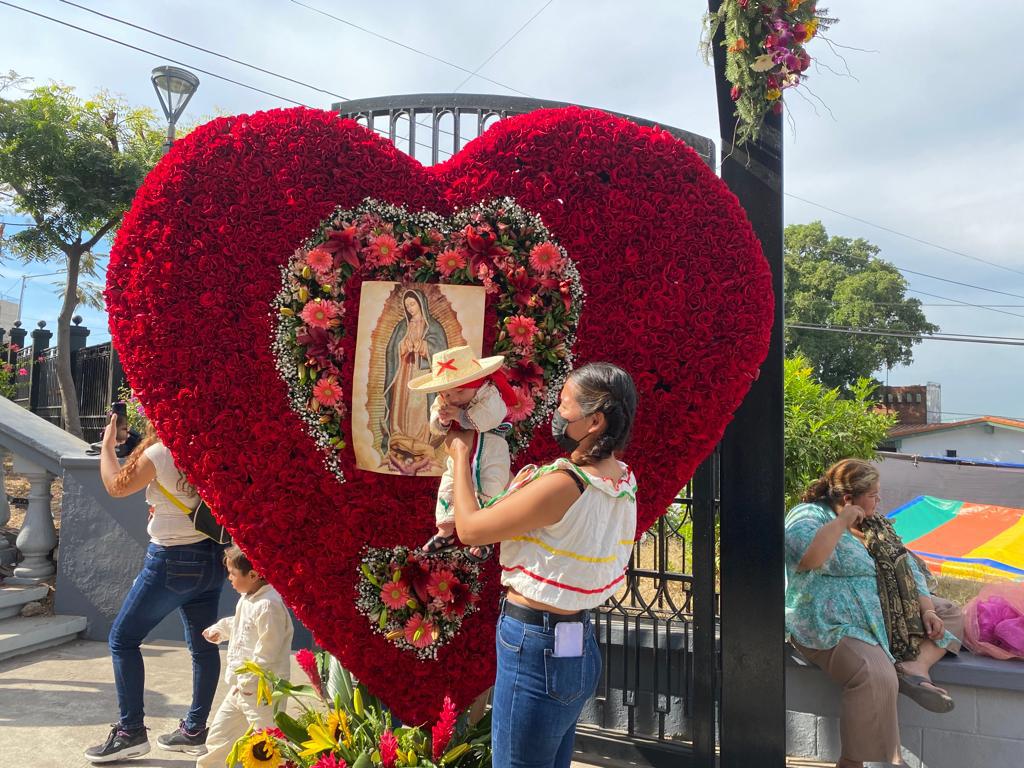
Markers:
<point>472,395</point>
<point>260,631</point>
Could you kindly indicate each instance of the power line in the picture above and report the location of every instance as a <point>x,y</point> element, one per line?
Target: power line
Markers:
<point>185,64</point>
<point>905,235</point>
<point>153,53</point>
<point>1007,341</point>
<point>965,303</point>
<point>205,50</point>
<point>400,44</point>
<point>502,46</point>
<point>965,285</point>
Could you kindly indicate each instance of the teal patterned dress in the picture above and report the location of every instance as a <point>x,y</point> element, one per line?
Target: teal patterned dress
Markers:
<point>839,599</point>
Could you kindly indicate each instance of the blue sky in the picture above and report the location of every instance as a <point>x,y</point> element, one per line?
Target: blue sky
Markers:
<point>924,138</point>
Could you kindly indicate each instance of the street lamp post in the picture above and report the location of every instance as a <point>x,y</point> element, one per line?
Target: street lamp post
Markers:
<point>174,87</point>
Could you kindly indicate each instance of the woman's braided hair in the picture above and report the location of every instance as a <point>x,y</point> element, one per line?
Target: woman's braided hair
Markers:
<point>606,388</point>
<point>847,476</point>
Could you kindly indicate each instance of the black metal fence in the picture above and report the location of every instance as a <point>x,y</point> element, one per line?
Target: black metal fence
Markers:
<point>96,371</point>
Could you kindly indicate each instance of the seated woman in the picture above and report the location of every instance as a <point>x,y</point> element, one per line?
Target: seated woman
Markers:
<point>858,606</point>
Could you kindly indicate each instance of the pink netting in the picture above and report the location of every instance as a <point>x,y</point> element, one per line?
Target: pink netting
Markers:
<point>994,622</point>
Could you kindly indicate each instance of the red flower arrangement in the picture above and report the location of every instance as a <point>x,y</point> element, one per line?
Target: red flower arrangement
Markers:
<point>677,292</point>
<point>418,603</point>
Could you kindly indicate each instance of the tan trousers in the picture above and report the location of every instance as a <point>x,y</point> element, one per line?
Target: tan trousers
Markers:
<point>233,718</point>
<point>869,726</point>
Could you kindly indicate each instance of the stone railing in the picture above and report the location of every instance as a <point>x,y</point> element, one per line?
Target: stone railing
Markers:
<point>38,448</point>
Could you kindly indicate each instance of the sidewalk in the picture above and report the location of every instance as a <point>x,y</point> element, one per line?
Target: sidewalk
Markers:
<point>57,701</point>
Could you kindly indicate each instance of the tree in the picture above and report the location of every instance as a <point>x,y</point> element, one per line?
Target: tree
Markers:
<point>73,166</point>
<point>821,427</point>
<point>836,281</point>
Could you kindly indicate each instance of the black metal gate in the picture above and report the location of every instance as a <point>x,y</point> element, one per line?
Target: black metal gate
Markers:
<point>672,693</point>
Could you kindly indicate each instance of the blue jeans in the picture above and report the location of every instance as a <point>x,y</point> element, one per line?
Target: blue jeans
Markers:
<point>189,578</point>
<point>538,697</point>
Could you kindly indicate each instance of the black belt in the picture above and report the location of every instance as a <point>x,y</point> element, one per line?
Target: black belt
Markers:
<point>532,616</point>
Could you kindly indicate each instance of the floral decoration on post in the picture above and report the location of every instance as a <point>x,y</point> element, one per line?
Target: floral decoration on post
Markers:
<point>765,53</point>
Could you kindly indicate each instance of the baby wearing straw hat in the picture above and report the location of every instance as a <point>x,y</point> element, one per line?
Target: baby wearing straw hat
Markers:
<point>472,394</point>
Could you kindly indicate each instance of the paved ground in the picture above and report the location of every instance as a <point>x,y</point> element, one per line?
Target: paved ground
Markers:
<point>56,702</point>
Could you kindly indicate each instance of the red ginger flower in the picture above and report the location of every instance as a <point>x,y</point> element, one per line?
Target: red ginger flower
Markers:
<point>306,659</point>
<point>441,733</point>
<point>388,749</point>
<point>330,760</point>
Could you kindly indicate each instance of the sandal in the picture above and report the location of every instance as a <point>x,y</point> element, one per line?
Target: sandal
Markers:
<point>486,550</point>
<point>914,688</point>
<point>438,544</point>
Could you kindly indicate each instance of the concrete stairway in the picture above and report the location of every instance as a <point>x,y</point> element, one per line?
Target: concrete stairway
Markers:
<point>21,634</point>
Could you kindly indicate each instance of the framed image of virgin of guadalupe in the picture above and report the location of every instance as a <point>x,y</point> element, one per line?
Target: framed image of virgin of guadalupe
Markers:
<point>400,327</point>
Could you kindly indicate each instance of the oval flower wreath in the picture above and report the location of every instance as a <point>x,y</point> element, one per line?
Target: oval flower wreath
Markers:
<point>534,302</point>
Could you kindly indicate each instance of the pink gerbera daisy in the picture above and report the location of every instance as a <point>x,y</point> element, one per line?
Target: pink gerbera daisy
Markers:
<point>449,261</point>
<point>320,314</point>
<point>395,594</point>
<point>327,391</point>
<point>521,330</point>
<point>383,250</point>
<point>545,257</point>
<point>320,261</point>
<point>440,584</point>
<point>523,406</point>
<point>419,632</point>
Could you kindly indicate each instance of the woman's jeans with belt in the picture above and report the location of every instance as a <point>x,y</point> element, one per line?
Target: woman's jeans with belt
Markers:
<point>189,578</point>
<point>539,697</point>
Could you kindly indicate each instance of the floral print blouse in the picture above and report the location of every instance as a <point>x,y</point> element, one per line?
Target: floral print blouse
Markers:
<point>839,599</point>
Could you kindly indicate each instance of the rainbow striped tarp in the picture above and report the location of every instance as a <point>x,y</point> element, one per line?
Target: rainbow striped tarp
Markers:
<point>964,539</point>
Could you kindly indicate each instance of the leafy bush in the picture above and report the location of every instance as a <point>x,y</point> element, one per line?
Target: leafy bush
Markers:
<point>822,428</point>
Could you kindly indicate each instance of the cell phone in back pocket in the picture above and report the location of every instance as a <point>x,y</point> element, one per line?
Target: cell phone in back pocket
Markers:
<point>568,639</point>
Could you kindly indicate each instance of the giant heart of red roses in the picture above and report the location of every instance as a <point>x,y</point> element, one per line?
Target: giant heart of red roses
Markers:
<point>677,292</point>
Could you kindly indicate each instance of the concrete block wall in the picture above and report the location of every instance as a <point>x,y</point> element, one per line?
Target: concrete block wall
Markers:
<point>985,729</point>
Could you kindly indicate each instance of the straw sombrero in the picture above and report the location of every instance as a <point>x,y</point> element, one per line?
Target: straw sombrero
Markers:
<point>453,368</point>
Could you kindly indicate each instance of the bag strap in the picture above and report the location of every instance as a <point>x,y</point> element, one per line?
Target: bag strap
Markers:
<point>176,501</point>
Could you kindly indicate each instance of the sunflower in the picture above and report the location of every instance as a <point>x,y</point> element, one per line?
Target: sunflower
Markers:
<point>261,752</point>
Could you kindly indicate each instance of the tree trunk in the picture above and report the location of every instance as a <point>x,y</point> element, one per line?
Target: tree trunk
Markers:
<point>65,379</point>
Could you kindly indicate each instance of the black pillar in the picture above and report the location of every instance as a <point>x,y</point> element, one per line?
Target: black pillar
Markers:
<point>40,343</point>
<point>79,333</point>
<point>753,703</point>
<point>17,334</point>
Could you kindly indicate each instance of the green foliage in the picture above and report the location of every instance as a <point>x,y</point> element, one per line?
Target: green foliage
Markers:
<point>821,427</point>
<point>72,165</point>
<point>8,388</point>
<point>836,281</point>
<point>136,415</point>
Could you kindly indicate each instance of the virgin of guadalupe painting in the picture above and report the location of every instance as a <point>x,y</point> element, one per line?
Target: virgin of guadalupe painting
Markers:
<point>401,326</point>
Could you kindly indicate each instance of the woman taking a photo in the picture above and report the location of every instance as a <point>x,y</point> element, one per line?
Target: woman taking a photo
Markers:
<point>566,532</point>
<point>183,570</point>
<point>858,606</point>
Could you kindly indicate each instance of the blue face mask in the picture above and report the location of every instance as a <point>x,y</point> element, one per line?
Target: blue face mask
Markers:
<point>558,426</point>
